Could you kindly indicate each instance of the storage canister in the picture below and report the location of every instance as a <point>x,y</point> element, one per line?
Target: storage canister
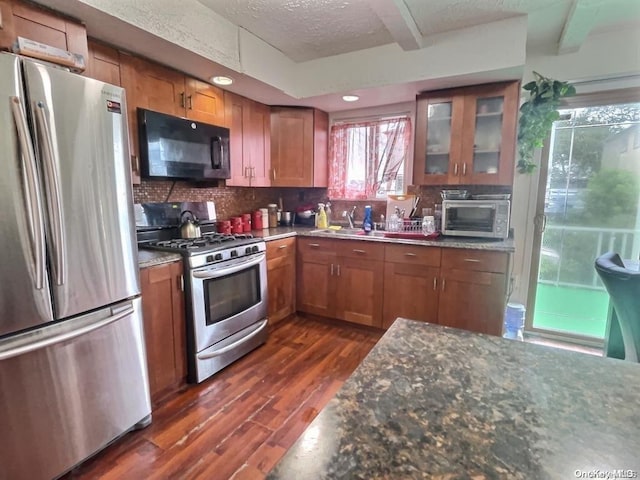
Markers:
<point>265,218</point>
<point>246,222</point>
<point>273,215</point>
<point>256,220</point>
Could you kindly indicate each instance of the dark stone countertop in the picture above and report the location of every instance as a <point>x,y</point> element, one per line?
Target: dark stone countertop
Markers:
<point>440,403</point>
<point>507,245</point>
<point>152,258</point>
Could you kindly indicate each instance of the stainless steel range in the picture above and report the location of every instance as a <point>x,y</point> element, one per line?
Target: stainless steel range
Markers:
<point>225,288</point>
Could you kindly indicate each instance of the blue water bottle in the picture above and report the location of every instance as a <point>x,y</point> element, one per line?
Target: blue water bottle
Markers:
<point>367,223</point>
<point>514,321</point>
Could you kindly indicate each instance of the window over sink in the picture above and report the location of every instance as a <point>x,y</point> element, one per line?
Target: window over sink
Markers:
<point>367,158</point>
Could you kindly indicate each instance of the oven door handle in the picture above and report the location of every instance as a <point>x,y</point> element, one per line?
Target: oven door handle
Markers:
<point>216,272</point>
<point>223,350</point>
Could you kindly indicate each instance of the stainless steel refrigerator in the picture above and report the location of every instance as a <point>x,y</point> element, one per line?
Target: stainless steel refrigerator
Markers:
<point>73,371</point>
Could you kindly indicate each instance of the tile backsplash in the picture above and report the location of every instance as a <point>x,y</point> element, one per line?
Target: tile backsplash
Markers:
<point>229,201</point>
<point>236,200</point>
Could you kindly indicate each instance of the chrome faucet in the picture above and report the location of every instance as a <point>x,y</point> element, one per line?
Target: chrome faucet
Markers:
<point>349,216</point>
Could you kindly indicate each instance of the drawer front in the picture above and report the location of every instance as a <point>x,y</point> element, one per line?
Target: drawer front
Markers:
<point>360,249</point>
<point>413,254</point>
<point>281,248</point>
<point>315,245</point>
<point>476,260</point>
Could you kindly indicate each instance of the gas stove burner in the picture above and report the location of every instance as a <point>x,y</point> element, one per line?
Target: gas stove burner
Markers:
<point>208,242</point>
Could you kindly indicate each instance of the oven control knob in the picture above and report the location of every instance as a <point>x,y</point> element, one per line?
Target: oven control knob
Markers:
<point>209,258</point>
<point>218,256</point>
<point>234,253</point>
<point>247,250</point>
<point>254,249</point>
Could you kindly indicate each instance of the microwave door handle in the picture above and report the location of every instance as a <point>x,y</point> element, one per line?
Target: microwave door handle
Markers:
<point>33,198</point>
<point>216,153</point>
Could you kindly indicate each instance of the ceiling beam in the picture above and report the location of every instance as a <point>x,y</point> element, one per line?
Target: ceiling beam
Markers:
<point>398,20</point>
<point>582,17</point>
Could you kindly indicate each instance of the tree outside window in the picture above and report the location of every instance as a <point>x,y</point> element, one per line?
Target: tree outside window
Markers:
<point>367,158</point>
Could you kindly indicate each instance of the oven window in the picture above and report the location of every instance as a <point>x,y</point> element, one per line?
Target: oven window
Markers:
<point>470,219</point>
<point>227,296</point>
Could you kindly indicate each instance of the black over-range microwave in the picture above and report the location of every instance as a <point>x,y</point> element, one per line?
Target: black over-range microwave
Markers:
<point>178,148</point>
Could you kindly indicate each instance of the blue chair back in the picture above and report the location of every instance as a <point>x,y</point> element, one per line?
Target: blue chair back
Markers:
<point>623,286</point>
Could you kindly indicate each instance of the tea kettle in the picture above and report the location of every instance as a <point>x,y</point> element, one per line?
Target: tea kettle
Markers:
<point>189,227</point>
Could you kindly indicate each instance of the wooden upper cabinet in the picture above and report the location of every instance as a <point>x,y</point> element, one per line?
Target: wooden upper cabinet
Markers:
<point>103,63</point>
<point>27,20</point>
<point>153,87</point>
<point>299,139</point>
<point>204,102</point>
<point>249,123</point>
<point>467,135</point>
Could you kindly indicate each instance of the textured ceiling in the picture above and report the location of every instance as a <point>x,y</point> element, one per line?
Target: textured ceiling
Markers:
<point>307,29</point>
<point>310,29</point>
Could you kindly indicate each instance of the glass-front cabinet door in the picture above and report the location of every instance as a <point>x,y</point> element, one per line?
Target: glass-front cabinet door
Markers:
<point>466,135</point>
<point>437,155</point>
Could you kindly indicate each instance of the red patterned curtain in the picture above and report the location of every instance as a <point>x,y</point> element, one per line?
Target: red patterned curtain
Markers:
<point>367,156</point>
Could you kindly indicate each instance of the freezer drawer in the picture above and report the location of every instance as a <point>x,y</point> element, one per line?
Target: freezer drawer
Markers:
<point>62,398</point>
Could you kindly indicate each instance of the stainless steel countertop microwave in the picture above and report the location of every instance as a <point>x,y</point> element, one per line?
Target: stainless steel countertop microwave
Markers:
<point>476,218</point>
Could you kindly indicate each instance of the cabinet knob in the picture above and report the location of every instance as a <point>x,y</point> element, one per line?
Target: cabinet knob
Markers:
<point>455,169</point>
<point>355,250</point>
<point>464,169</point>
<point>182,102</point>
<point>472,260</point>
<point>281,247</point>
<point>314,245</point>
<point>408,254</point>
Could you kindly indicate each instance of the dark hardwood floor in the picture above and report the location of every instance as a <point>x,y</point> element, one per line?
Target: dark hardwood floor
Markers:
<point>240,422</point>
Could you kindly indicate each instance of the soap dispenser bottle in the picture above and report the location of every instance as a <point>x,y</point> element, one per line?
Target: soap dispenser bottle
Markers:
<point>367,223</point>
<point>322,216</point>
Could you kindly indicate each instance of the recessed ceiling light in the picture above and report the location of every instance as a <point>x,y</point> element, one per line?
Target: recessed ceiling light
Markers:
<point>350,98</point>
<point>222,80</point>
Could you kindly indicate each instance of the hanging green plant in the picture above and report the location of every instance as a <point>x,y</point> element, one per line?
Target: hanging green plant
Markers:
<point>537,115</point>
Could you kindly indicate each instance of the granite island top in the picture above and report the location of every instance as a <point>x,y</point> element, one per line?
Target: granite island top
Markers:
<point>435,402</point>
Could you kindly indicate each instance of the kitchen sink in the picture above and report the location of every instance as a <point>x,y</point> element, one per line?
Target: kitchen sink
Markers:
<point>349,232</point>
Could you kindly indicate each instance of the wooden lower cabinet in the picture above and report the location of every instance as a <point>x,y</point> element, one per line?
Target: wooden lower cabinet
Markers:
<point>411,283</point>
<point>473,290</point>
<point>281,278</point>
<point>316,283</point>
<point>358,296</point>
<point>472,301</point>
<point>341,279</point>
<point>164,328</point>
<point>373,283</point>
<point>455,287</point>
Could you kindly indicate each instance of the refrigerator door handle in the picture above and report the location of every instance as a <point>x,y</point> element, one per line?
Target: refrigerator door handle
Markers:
<point>52,183</point>
<point>32,193</point>
<point>63,337</point>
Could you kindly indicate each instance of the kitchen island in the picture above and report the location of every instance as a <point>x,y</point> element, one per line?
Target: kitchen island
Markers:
<point>435,402</point>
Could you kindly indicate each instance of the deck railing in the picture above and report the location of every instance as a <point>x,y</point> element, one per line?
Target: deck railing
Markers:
<point>569,252</point>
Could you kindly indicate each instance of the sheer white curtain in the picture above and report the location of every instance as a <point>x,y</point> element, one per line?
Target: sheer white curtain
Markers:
<point>367,158</point>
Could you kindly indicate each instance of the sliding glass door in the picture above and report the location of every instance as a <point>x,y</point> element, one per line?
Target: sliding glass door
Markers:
<point>588,205</point>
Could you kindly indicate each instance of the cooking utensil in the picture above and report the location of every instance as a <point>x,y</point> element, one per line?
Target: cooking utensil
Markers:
<point>189,227</point>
